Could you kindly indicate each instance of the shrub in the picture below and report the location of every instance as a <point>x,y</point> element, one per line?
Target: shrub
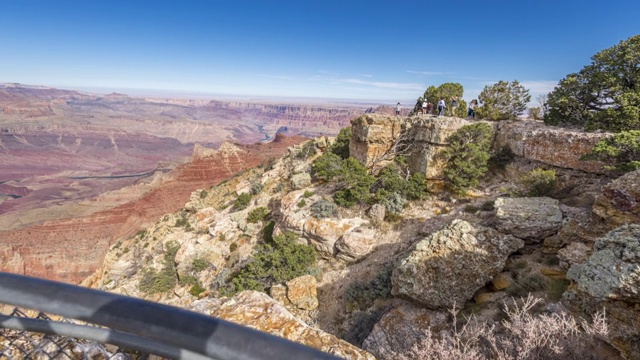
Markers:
<point>153,281</point>
<point>256,188</point>
<point>472,209</point>
<point>203,194</point>
<point>307,194</point>
<point>183,222</point>
<point>467,156</point>
<point>487,206</point>
<point>257,214</point>
<point>621,152</point>
<point>535,113</point>
<point>540,182</point>
<point>341,146</point>
<point>274,262</point>
<point>199,264</point>
<point>188,280</point>
<point>323,209</point>
<point>141,234</point>
<point>526,284</point>
<point>308,149</point>
<point>242,201</point>
<point>353,179</point>
<point>500,158</point>
<point>393,202</point>
<point>302,203</point>
<point>521,336</point>
<point>196,290</point>
<point>233,247</point>
<point>363,294</point>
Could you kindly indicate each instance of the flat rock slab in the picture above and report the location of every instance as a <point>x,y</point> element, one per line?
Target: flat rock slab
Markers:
<point>532,218</point>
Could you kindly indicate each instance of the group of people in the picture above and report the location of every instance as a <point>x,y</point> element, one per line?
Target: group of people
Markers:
<point>427,107</point>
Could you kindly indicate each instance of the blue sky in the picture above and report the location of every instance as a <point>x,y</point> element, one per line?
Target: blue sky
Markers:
<point>349,49</point>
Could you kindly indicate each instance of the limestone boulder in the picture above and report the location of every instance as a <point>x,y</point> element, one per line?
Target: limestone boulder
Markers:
<point>532,218</point>
<point>324,233</point>
<point>450,265</point>
<point>355,245</point>
<point>377,213</point>
<point>301,180</point>
<point>302,292</point>
<point>400,328</point>
<point>321,233</point>
<point>259,311</point>
<point>610,280</point>
<point>619,201</point>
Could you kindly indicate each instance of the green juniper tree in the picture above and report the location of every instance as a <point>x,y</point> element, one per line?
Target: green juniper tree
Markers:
<point>603,95</point>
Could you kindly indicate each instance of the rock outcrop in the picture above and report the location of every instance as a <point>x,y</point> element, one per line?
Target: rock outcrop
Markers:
<point>619,201</point>
<point>295,215</point>
<point>259,311</point>
<point>550,145</point>
<point>450,265</point>
<point>402,327</point>
<point>532,219</point>
<point>374,137</point>
<point>610,280</point>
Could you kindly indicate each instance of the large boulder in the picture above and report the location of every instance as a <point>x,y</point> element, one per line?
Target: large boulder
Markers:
<point>619,202</point>
<point>450,265</point>
<point>532,218</point>
<point>610,280</point>
<point>550,145</point>
<point>355,245</point>
<point>321,233</point>
<point>402,327</point>
<point>259,311</point>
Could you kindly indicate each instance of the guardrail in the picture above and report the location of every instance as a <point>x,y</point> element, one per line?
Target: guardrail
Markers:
<point>140,325</point>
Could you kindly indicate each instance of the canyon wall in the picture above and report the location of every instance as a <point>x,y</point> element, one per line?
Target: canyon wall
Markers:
<point>70,250</point>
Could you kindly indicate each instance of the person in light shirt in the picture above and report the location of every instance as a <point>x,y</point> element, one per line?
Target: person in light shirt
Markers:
<point>398,109</point>
<point>441,107</point>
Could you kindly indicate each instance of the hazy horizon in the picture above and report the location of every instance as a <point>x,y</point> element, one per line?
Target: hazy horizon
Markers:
<point>356,51</point>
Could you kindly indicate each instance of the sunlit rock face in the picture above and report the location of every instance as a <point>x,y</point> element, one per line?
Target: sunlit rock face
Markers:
<point>550,145</point>
<point>610,280</point>
<point>259,311</point>
<point>450,265</point>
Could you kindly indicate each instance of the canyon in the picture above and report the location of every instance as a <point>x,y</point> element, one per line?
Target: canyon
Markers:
<point>79,170</point>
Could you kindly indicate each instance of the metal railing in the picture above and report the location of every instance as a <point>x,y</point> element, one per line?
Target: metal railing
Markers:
<point>133,324</point>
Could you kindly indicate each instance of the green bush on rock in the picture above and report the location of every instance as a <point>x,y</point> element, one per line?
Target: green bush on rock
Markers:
<point>467,156</point>
<point>540,182</point>
<point>622,151</point>
<point>274,262</point>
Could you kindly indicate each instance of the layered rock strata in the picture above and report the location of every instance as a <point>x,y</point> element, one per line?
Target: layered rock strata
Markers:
<point>71,250</point>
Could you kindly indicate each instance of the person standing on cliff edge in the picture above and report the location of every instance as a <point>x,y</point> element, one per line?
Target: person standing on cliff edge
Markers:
<point>398,109</point>
<point>441,107</point>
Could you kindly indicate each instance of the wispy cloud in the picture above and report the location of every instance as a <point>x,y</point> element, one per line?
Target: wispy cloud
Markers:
<point>367,75</point>
<point>280,77</point>
<point>384,85</point>
<point>430,73</point>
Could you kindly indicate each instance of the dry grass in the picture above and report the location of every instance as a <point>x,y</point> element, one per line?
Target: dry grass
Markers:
<point>521,336</point>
